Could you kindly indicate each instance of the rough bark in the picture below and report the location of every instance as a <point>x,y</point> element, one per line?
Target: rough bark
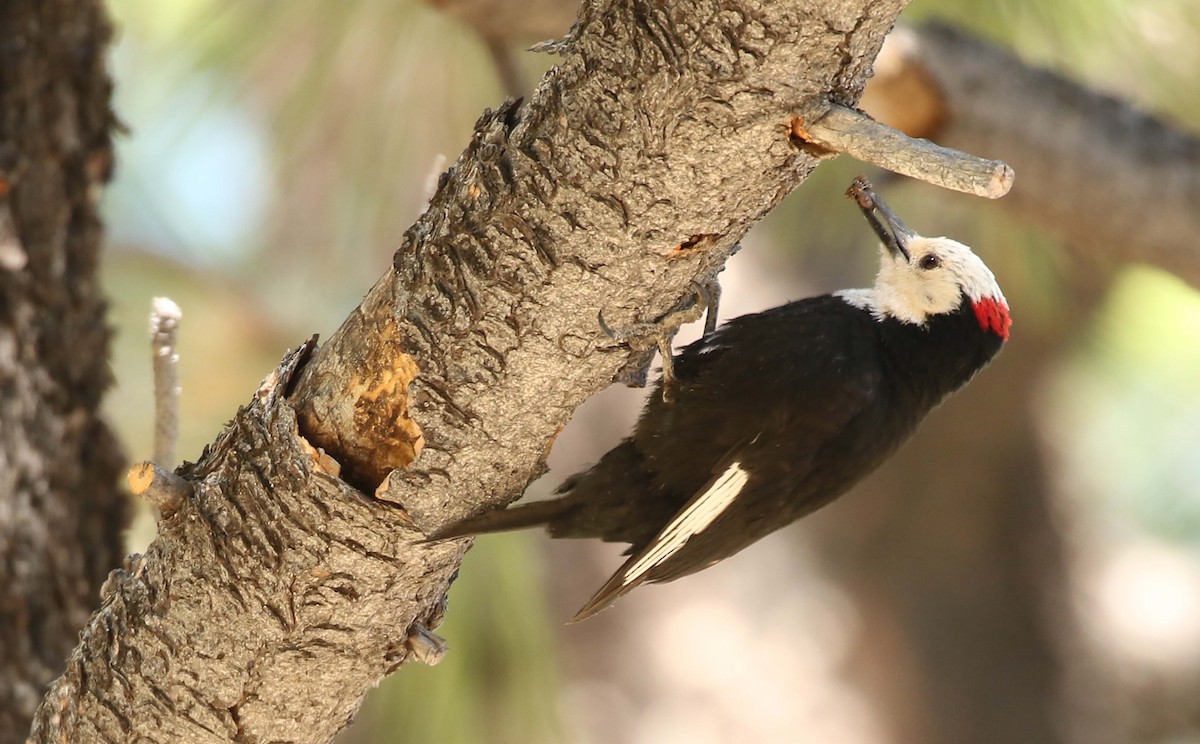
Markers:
<point>61,513</point>
<point>1112,180</point>
<point>279,593</point>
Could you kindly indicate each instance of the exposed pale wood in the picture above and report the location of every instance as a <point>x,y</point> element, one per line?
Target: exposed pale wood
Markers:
<point>159,486</point>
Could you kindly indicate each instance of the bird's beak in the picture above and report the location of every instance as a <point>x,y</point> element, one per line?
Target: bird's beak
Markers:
<point>897,239</point>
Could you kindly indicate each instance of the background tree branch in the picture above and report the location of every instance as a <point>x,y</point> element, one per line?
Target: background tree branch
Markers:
<point>279,593</point>
<point>1107,177</point>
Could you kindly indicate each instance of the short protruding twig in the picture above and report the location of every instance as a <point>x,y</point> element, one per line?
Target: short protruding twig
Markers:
<point>164,323</point>
<point>159,486</point>
<point>854,133</point>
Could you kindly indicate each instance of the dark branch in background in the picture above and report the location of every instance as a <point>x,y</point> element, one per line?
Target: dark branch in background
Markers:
<point>506,28</point>
<point>62,511</point>
<point>505,61</point>
<point>1095,170</point>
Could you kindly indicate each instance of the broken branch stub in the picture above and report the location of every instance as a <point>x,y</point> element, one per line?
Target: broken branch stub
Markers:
<point>845,130</point>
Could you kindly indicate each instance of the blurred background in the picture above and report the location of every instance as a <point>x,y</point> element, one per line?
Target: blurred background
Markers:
<point>1027,569</point>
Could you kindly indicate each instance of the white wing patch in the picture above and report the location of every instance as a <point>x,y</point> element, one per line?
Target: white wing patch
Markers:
<point>689,522</point>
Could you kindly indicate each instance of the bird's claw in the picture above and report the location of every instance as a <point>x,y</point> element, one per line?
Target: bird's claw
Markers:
<point>646,338</point>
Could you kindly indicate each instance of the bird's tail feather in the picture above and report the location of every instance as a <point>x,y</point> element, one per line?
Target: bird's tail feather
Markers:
<point>502,520</point>
<point>614,589</point>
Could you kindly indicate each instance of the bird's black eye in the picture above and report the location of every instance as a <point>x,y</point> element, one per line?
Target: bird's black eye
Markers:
<point>929,262</point>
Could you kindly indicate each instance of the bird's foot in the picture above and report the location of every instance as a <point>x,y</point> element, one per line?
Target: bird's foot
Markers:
<point>646,338</point>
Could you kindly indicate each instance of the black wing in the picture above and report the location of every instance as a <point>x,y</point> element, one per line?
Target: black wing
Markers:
<point>720,491</point>
<point>796,374</point>
<point>789,402</point>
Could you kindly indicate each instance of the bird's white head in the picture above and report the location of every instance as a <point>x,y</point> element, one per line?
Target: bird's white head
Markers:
<point>922,277</point>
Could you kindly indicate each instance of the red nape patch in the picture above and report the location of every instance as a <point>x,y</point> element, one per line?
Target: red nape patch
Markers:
<point>992,315</point>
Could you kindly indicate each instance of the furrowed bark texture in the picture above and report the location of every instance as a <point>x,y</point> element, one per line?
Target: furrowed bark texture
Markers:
<point>278,594</point>
<point>61,513</point>
<point>1093,169</point>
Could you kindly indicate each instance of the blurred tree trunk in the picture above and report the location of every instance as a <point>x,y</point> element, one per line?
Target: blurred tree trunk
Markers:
<point>61,513</point>
<point>954,553</point>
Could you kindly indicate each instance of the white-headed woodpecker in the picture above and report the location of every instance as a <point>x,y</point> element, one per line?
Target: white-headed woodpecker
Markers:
<point>775,414</point>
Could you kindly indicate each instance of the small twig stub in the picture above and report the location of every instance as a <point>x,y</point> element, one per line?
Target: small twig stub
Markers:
<point>852,132</point>
<point>159,486</point>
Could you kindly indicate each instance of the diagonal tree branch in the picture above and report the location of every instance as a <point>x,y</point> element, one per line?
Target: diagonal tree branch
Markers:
<point>292,579</point>
<point>1095,170</point>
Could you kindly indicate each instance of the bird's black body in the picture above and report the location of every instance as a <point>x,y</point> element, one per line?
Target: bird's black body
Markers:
<point>799,402</point>
<point>804,432</point>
